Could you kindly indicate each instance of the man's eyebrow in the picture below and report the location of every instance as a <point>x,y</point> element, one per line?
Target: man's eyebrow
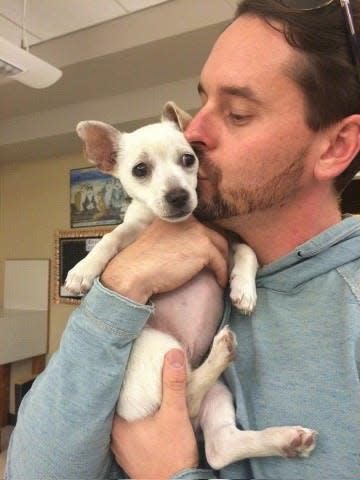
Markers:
<point>242,92</point>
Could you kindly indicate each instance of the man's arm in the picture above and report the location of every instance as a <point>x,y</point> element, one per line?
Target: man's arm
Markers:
<point>64,423</point>
<point>66,418</point>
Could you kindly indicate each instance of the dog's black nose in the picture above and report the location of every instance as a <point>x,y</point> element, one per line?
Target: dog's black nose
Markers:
<point>177,197</point>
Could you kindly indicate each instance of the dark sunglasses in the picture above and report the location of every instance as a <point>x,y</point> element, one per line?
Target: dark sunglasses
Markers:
<point>308,5</point>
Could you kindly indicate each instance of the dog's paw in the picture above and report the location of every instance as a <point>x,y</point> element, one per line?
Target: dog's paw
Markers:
<point>243,293</point>
<point>293,441</point>
<point>80,278</point>
<point>302,443</point>
<point>224,345</point>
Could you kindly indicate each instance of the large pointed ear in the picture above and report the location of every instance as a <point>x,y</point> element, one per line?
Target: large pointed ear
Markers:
<point>101,143</point>
<point>172,113</point>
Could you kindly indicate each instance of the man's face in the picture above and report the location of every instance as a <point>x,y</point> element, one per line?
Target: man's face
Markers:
<point>255,146</point>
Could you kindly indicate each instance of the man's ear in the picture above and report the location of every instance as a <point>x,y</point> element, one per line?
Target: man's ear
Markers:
<point>101,143</point>
<point>342,146</point>
<point>172,113</point>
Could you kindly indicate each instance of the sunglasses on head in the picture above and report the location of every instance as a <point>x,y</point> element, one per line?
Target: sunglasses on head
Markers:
<point>308,5</point>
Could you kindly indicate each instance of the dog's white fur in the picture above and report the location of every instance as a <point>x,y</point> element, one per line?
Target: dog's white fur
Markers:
<point>161,147</point>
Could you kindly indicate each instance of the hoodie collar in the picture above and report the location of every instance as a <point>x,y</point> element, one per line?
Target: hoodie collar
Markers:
<point>330,249</point>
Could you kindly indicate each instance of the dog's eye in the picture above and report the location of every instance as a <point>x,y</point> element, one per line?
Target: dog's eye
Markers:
<point>140,170</point>
<point>188,159</point>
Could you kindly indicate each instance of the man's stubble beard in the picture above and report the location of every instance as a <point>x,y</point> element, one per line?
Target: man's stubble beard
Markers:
<point>241,201</point>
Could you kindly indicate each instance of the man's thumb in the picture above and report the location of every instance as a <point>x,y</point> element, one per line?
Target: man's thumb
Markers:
<point>174,381</point>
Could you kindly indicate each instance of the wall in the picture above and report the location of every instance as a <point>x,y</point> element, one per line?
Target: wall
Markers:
<point>34,203</point>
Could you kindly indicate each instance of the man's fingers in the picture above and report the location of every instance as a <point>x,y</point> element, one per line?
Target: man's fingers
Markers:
<point>218,257</point>
<point>174,382</point>
<point>118,421</point>
<point>220,242</point>
<point>219,265</point>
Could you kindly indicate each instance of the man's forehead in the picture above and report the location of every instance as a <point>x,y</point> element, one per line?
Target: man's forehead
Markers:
<point>249,46</point>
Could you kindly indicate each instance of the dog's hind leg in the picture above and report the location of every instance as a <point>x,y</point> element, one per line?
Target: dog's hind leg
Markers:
<point>201,379</point>
<point>225,443</point>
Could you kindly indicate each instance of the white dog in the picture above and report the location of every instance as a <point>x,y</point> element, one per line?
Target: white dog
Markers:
<point>158,169</point>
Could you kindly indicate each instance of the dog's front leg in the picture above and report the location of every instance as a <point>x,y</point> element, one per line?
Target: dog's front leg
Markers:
<point>225,443</point>
<point>80,278</point>
<point>242,278</point>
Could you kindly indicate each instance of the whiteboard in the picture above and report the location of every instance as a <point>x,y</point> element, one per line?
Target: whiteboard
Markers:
<point>23,334</point>
<point>26,284</point>
<point>24,318</point>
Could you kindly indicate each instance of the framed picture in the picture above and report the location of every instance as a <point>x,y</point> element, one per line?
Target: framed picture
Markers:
<point>350,197</point>
<point>71,246</point>
<point>96,198</point>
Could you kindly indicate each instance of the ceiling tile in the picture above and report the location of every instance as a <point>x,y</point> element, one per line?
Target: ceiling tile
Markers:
<point>12,9</point>
<point>12,32</point>
<point>133,5</point>
<point>49,18</point>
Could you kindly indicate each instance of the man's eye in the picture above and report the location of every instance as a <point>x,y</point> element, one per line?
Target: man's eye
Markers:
<point>140,170</point>
<point>188,159</point>
<point>237,118</point>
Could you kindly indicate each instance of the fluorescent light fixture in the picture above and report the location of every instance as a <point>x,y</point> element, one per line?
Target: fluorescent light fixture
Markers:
<point>20,65</point>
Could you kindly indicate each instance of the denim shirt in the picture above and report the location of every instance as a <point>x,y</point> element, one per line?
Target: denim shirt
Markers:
<point>298,364</point>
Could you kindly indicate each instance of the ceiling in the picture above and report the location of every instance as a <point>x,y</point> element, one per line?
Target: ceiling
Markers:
<point>47,19</point>
<point>119,65</point>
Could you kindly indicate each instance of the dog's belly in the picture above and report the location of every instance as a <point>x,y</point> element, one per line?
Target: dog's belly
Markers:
<point>186,318</point>
<point>191,314</point>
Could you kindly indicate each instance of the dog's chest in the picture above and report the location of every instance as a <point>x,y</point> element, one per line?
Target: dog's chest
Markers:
<point>191,314</point>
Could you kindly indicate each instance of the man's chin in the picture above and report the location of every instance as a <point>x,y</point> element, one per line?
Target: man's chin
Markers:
<point>208,197</point>
<point>203,216</point>
<point>207,212</point>
<point>217,210</point>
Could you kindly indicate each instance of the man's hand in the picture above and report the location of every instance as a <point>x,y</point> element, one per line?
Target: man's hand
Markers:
<point>166,256</point>
<point>163,444</point>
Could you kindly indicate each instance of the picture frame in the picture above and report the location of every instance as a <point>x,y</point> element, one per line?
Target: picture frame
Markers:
<point>350,197</point>
<point>71,246</point>
<point>96,198</point>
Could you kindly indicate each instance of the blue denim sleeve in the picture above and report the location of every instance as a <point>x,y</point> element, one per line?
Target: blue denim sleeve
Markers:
<point>195,474</point>
<point>64,423</point>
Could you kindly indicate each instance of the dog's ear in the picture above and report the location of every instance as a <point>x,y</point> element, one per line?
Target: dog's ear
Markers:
<point>172,113</point>
<point>101,143</point>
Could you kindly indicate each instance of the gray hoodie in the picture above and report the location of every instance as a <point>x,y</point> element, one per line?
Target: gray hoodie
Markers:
<point>299,356</point>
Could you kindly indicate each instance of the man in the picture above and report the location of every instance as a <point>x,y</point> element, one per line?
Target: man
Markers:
<point>278,132</point>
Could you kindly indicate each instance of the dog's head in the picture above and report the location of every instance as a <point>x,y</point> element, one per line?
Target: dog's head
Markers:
<point>155,164</point>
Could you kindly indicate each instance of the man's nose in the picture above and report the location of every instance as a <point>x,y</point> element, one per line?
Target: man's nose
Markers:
<point>198,131</point>
<point>194,131</point>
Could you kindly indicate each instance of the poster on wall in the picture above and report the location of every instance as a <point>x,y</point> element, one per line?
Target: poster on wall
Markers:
<point>96,198</point>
